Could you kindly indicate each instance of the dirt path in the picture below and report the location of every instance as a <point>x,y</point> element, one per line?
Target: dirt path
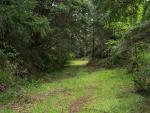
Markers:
<point>89,90</point>
<point>78,104</point>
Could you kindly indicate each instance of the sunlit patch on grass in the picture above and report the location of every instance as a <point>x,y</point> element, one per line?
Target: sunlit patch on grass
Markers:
<point>78,62</point>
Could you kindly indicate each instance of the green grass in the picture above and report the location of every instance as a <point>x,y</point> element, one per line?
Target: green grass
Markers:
<point>105,90</point>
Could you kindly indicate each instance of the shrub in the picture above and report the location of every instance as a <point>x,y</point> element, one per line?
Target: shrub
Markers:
<point>3,59</point>
<point>140,65</point>
<point>142,78</point>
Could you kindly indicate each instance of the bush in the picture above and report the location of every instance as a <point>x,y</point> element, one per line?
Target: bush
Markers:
<point>142,78</point>
<point>137,60</point>
<point>140,65</point>
<point>115,55</point>
<point>3,59</point>
<point>6,76</point>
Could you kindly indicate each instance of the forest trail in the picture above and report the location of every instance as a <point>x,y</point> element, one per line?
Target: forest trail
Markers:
<point>83,89</point>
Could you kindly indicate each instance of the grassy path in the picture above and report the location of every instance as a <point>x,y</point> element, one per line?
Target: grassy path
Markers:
<point>84,90</point>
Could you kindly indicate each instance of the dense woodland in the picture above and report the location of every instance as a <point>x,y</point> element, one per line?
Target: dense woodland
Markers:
<point>42,36</point>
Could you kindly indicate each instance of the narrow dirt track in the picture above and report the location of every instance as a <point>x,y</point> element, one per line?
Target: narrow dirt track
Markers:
<point>78,104</point>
